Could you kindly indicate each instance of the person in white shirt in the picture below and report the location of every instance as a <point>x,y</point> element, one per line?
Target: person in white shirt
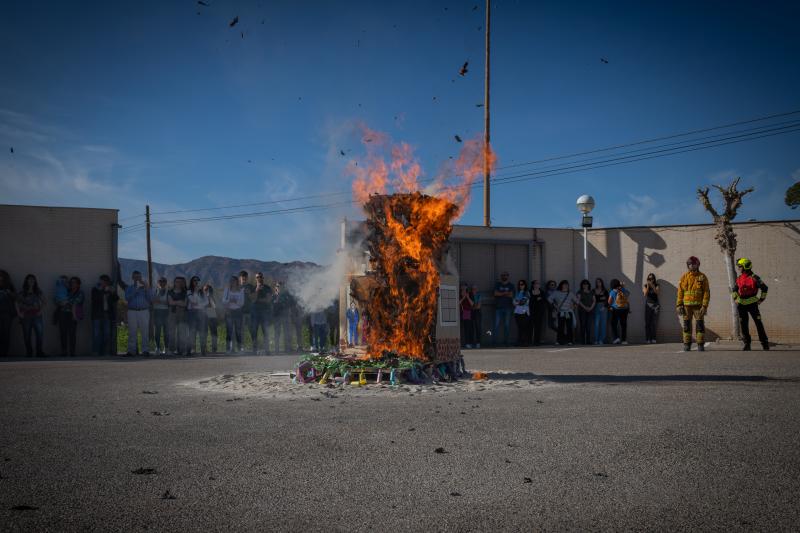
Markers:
<point>232,301</point>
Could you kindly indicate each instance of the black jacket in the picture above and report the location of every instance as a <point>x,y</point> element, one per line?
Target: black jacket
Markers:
<point>97,304</point>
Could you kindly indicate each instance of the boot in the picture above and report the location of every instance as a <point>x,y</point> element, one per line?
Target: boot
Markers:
<point>746,347</point>
<point>687,347</point>
<point>765,345</point>
<point>701,347</point>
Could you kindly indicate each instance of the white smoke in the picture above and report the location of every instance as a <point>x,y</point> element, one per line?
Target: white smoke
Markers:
<point>317,289</point>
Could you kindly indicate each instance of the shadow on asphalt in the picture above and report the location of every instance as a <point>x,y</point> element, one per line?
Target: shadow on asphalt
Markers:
<point>602,378</point>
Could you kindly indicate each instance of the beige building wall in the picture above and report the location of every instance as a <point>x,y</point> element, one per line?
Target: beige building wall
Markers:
<point>629,254</point>
<point>48,242</point>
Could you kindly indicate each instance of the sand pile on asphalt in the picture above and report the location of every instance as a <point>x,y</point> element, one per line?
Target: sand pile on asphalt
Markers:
<point>279,385</point>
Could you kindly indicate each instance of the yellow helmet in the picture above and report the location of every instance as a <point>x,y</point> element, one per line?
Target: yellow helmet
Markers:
<point>745,263</point>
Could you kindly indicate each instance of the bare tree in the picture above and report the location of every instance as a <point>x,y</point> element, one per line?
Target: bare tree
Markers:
<point>726,237</point>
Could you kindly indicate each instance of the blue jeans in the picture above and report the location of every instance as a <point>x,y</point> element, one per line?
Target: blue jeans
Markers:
<point>320,333</point>
<point>36,325</point>
<point>505,313</point>
<point>600,321</point>
<point>101,335</point>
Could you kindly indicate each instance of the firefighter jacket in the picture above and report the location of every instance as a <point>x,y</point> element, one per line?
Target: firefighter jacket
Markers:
<point>747,287</point>
<point>693,289</point>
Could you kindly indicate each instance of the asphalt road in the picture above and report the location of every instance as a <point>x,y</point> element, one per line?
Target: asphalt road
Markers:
<point>626,437</point>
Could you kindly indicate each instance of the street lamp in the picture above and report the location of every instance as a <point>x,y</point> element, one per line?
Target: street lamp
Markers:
<point>585,205</point>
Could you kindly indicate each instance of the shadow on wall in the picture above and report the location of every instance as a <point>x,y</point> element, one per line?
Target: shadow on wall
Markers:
<point>649,255</point>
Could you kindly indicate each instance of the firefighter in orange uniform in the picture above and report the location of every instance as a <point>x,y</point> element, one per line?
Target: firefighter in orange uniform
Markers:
<point>693,297</point>
<point>747,299</point>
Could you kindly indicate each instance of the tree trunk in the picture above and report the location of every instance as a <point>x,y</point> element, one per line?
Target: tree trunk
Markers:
<point>729,268</point>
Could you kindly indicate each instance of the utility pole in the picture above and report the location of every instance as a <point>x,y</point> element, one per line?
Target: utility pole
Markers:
<point>149,257</point>
<point>487,217</point>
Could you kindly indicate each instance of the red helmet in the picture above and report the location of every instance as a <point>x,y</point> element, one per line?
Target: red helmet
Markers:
<point>693,261</point>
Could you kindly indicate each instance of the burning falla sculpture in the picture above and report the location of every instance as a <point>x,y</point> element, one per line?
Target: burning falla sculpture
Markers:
<point>407,236</point>
<point>407,232</point>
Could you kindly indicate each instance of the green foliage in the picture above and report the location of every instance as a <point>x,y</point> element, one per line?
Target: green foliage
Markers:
<point>340,365</point>
<point>247,341</point>
<point>793,195</point>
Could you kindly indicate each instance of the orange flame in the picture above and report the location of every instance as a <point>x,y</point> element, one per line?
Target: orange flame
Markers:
<point>408,232</point>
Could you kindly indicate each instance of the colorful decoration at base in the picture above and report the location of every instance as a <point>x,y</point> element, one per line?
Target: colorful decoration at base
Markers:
<point>479,376</point>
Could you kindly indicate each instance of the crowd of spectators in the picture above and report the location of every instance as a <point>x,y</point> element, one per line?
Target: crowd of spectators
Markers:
<point>581,316</point>
<point>178,319</point>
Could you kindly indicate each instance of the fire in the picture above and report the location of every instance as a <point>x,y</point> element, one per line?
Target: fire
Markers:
<point>408,228</point>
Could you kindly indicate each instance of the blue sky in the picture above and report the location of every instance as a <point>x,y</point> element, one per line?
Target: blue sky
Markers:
<point>121,104</point>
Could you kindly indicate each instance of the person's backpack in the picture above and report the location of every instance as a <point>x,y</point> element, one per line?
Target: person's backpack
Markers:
<point>621,299</point>
<point>748,286</point>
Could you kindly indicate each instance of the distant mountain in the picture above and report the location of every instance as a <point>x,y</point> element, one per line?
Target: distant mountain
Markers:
<point>217,270</point>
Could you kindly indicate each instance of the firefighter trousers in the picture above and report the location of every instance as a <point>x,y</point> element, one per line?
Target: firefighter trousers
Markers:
<point>745,312</point>
<point>693,312</point>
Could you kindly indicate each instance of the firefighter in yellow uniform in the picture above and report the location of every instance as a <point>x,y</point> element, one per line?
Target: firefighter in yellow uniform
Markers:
<point>693,297</point>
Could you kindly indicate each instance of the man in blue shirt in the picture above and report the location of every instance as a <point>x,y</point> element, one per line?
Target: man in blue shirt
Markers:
<point>503,304</point>
<point>137,295</point>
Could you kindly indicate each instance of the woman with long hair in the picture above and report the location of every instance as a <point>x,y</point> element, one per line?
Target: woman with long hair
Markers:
<point>198,326</point>
<point>522,313</point>
<point>651,308</point>
<point>586,303</point>
<point>30,309</point>
<point>564,302</point>
<point>539,310</point>
<point>7,311</point>
<point>600,311</point>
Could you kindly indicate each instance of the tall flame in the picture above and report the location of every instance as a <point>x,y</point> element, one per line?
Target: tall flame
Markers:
<point>408,228</point>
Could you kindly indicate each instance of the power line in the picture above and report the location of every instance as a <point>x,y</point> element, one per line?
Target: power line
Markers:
<point>516,165</point>
<point>655,139</point>
<point>641,157</point>
<point>656,152</point>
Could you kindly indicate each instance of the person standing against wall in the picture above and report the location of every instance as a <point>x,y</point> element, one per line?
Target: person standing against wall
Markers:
<point>600,311</point>
<point>539,311</point>
<point>564,303</point>
<point>586,303</point>
<point>477,320</point>
<point>232,301</point>
<point>104,302</point>
<point>619,302</point>
<point>692,303</point>
<point>503,305</point>
<point>70,313</point>
<point>651,308</point>
<point>522,313</point>
<point>30,309</point>
<point>161,316</point>
<point>8,311</point>
<point>552,312</point>
<point>747,299</point>
<point>138,297</point>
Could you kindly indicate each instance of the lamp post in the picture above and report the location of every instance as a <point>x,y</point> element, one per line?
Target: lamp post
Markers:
<point>585,205</point>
